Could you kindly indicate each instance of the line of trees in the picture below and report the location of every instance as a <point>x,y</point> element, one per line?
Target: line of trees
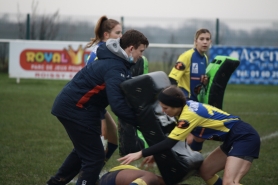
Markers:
<point>40,27</point>
<point>56,27</point>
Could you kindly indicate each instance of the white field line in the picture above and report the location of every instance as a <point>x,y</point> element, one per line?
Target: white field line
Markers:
<point>272,135</point>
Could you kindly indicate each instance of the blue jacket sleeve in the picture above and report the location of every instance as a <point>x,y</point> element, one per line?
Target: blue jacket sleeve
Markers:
<point>116,99</point>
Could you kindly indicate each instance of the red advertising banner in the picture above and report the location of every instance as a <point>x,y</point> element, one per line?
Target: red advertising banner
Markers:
<point>46,59</point>
<point>53,60</point>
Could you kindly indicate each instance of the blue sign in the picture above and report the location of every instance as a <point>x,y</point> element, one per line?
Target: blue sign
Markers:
<point>258,65</point>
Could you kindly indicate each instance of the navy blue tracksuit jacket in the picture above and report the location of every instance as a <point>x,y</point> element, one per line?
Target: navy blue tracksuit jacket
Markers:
<point>93,88</point>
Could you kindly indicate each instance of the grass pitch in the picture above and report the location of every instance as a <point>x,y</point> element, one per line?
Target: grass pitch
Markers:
<point>33,144</point>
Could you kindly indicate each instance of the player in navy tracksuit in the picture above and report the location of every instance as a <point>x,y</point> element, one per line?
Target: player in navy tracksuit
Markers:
<point>79,105</point>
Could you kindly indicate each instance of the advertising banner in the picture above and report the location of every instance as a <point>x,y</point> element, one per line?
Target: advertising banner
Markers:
<point>258,65</point>
<point>46,59</point>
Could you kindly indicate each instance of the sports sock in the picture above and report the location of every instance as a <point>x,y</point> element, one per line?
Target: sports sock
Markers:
<point>215,180</point>
<point>138,182</point>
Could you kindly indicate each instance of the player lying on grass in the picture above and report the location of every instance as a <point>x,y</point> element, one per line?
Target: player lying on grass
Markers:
<point>130,175</point>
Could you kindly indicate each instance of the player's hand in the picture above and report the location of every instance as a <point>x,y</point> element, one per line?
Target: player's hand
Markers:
<point>204,80</point>
<point>148,162</point>
<point>130,157</point>
<point>197,89</point>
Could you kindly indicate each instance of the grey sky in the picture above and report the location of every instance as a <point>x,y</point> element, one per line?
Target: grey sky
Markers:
<point>232,9</point>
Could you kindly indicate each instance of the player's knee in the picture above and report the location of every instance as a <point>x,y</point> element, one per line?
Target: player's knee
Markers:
<point>205,172</point>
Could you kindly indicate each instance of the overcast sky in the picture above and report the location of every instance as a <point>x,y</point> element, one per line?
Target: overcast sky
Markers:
<point>232,9</point>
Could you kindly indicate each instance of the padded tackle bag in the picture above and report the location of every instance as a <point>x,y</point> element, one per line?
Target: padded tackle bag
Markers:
<point>129,141</point>
<point>219,72</point>
<point>141,93</point>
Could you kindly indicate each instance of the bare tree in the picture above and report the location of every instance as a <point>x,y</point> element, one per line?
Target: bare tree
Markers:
<point>42,27</point>
<point>34,19</point>
<point>20,24</point>
<point>169,56</point>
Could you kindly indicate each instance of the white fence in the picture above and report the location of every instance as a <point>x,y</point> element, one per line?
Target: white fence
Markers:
<point>53,59</point>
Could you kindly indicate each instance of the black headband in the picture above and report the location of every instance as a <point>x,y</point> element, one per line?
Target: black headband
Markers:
<point>171,101</point>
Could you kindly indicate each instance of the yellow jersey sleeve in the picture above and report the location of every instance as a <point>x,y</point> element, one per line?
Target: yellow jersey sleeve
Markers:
<point>186,123</point>
<point>182,66</point>
<point>123,167</point>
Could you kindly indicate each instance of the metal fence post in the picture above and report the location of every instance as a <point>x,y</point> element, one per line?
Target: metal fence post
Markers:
<point>28,27</point>
<point>217,32</point>
<point>122,22</point>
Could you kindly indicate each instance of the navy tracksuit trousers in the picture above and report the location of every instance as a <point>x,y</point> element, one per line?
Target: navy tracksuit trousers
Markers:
<point>87,157</point>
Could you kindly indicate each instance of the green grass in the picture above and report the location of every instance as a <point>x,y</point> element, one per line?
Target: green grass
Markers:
<point>33,143</point>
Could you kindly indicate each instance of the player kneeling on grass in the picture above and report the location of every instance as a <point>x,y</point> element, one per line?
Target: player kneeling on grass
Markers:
<point>241,142</point>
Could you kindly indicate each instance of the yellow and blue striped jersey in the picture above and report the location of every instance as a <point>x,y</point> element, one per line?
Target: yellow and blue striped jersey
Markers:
<point>204,121</point>
<point>93,55</point>
<point>189,68</point>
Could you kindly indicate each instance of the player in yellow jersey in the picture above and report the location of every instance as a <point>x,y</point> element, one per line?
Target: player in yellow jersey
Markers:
<point>241,142</point>
<point>189,73</point>
<point>190,68</point>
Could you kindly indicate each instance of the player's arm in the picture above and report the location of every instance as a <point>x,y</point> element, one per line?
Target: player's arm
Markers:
<point>116,98</point>
<point>197,144</point>
<point>166,144</point>
<point>179,133</point>
<point>178,70</point>
<point>185,128</point>
<point>173,81</point>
